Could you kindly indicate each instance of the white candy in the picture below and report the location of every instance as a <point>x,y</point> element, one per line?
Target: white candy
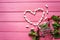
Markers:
<point>41,19</point>
<point>27,26</point>
<point>34,13</point>
<point>24,16</point>
<point>39,27</point>
<point>28,10</point>
<point>38,8</point>
<point>45,22</point>
<point>46,6</point>
<point>47,11</point>
<point>42,15</point>
<point>42,9</point>
<point>31,11</point>
<point>37,23</point>
<point>32,28</point>
<point>27,20</point>
<point>24,13</point>
<point>34,24</point>
<point>31,22</point>
<point>45,18</point>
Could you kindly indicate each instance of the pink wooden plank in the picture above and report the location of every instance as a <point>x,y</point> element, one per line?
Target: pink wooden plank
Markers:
<point>20,16</point>
<point>25,0</point>
<point>14,36</point>
<point>17,26</point>
<point>17,36</point>
<point>25,6</point>
<point>18,0</point>
<point>14,27</point>
<point>11,17</point>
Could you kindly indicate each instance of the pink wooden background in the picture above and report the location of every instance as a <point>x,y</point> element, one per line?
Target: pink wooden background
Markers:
<point>12,23</point>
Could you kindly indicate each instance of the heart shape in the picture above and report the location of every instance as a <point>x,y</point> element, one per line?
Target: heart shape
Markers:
<point>34,13</point>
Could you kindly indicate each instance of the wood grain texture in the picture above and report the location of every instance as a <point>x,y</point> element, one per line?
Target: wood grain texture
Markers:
<point>24,0</point>
<point>19,17</point>
<point>25,6</point>
<point>15,27</point>
<point>12,22</point>
<point>17,36</point>
<point>13,36</point>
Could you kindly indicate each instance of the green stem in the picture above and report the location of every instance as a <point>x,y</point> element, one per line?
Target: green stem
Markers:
<point>34,38</point>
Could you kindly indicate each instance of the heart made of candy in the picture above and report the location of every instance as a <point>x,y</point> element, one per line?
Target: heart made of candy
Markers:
<point>34,13</point>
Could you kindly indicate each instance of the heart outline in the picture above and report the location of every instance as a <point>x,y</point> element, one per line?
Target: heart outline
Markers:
<point>34,13</point>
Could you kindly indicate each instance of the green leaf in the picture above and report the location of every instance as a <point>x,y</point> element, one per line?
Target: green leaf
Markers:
<point>56,31</point>
<point>57,35</point>
<point>56,25</point>
<point>32,33</point>
<point>55,18</point>
<point>44,25</point>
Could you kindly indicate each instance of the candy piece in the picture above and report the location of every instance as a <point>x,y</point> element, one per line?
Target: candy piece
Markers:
<point>39,27</point>
<point>24,13</point>
<point>42,9</point>
<point>46,6</point>
<point>24,16</point>
<point>32,28</point>
<point>27,26</point>
<point>45,22</point>
<point>45,18</point>
<point>47,11</point>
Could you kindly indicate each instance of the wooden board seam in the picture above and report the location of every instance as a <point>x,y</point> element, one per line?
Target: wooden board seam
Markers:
<point>33,2</point>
